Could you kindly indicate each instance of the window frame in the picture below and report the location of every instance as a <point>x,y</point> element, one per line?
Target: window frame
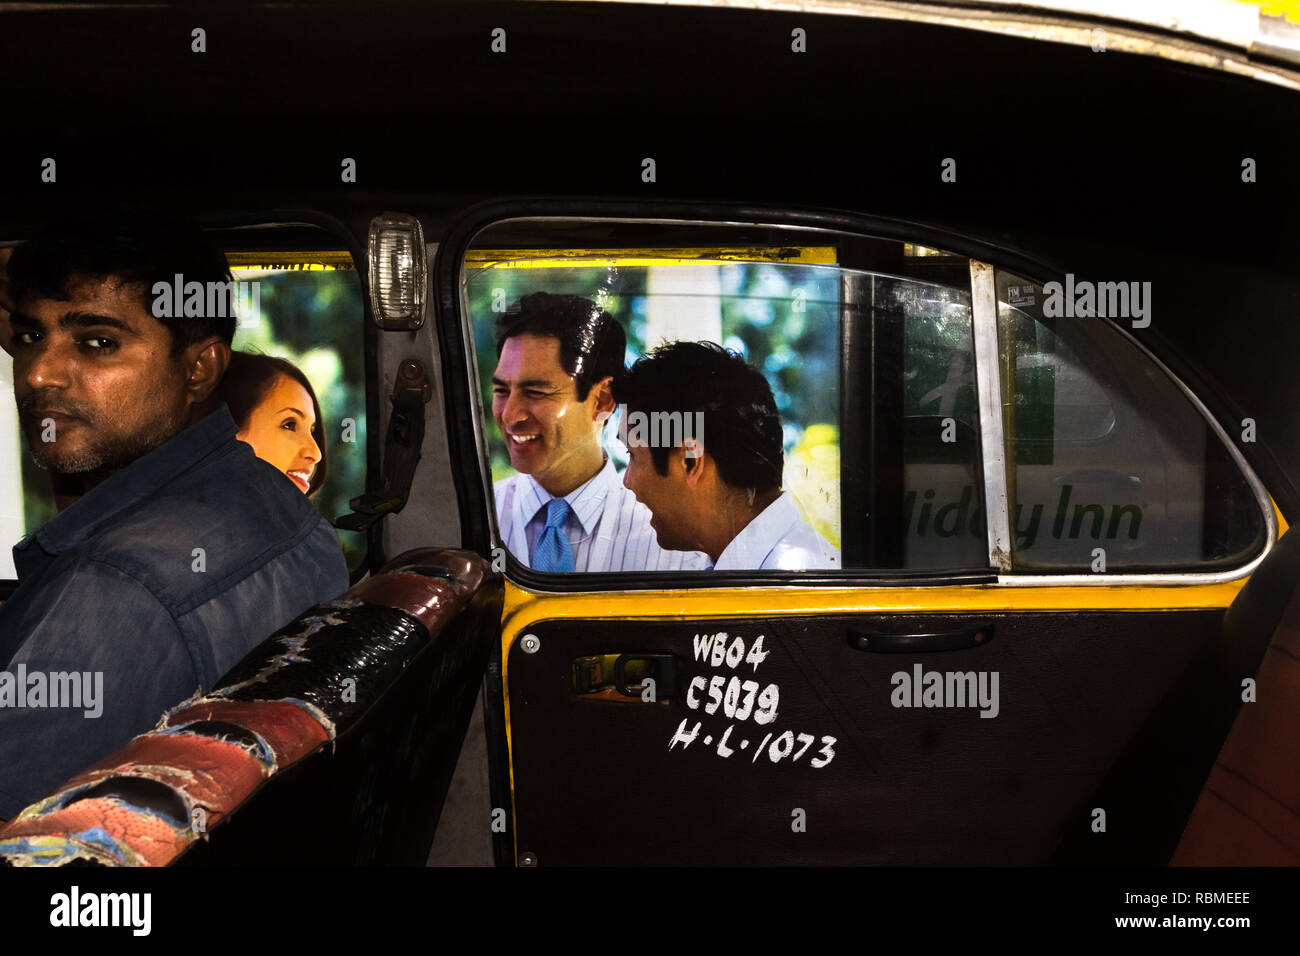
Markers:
<point>984,260</point>
<point>988,317</point>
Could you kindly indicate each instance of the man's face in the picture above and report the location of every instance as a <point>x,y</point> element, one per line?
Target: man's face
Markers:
<point>548,432</point>
<point>669,497</point>
<point>94,378</point>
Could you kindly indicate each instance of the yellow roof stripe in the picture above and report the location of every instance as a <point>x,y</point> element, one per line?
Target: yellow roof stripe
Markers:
<point>291,261</point>
<point>1277,8</point>
<point>567,258</point>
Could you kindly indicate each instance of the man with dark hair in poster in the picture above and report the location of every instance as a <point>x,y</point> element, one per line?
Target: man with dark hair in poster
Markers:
<point>566,510</point>
<point>716,487</point>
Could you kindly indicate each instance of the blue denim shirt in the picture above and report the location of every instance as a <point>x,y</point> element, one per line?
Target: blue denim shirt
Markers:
<point>161,578</point>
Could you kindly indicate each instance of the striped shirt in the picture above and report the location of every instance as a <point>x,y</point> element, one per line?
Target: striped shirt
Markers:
<point>608,529</point>
<point>778,539</point>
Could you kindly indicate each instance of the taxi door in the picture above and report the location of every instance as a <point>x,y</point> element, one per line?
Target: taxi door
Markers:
<point>954,693</point>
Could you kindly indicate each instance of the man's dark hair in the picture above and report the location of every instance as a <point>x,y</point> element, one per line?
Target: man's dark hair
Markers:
<point>592,343</point>
<point>133,248</point>
<point>741,426</point>
<point>245,385</point>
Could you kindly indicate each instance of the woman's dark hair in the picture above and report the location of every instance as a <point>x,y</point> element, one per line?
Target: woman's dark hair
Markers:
<point>249,378</point>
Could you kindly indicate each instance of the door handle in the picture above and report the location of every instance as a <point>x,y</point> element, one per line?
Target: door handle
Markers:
<point>606,676</point>
<point>922,642</point>
<point>661,668</point>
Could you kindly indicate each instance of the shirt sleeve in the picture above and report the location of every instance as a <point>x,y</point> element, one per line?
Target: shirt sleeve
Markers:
<point>109,659</point>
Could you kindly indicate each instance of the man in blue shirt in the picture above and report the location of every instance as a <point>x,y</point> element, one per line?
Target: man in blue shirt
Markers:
<point>184,550</point>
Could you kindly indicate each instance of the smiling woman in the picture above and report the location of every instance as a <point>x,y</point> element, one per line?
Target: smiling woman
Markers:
<point>276,410</point>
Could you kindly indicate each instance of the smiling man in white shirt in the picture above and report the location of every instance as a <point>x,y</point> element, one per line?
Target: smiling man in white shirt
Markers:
<point>567,509</point>
<point>717,491</point>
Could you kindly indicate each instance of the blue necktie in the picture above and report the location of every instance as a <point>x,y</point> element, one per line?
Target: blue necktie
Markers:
<point>552,552</point>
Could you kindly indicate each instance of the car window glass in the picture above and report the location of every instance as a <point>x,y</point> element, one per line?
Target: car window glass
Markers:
<point>870,371</point>
<point>943,503</point>
<point>312,314</point>
<point>1109,464</point>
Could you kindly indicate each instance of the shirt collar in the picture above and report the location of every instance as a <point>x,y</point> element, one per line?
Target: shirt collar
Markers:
<point>751,547</point>
<point>587,500</point>
<point>136,482</point>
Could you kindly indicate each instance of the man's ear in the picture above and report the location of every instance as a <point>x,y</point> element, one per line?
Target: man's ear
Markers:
<point>695,462</point>
<point>604,392</point>
<point>206,363</point>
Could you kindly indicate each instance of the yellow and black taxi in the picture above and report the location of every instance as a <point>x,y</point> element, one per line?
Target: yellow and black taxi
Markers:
<point>963,540</point>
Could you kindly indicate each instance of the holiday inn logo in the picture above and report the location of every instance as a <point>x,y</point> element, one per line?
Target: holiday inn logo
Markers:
<point>1069,519</point>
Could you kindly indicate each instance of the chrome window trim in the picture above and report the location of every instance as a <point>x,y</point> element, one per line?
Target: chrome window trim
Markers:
<point>1215,36</point>
<point>477,415</point>
<point>988,386</point>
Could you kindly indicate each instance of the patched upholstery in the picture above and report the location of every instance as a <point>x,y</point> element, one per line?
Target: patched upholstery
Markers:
<point>349,665</point>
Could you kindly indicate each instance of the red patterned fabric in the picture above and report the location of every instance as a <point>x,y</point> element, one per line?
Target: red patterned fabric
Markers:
<point>205,772</point>
<point>210,773</point>
<point>151,839</point>
<point>289,730</point>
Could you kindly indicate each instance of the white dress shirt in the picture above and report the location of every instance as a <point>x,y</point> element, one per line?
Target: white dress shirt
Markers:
<point>608,530</point>
<point>778,539</point>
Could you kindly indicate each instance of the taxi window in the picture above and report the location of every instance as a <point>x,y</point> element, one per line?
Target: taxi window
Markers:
<point>308,310</point>
<point>312,314</point>
<point>942,508</point>
<point>869,370</point>
<point>1104,451</point>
